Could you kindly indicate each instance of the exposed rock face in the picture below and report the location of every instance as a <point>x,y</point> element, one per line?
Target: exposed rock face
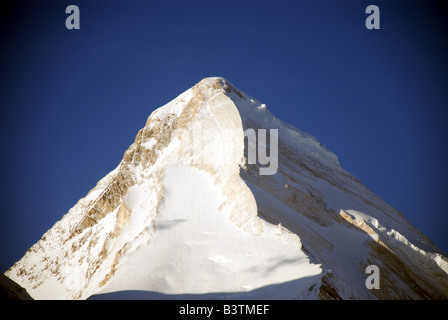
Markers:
<point>9,290</point>
<point>311,221</point>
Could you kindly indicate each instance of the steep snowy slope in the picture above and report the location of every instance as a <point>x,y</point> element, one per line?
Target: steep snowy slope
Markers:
<point>185,212</point>
<point>341,223</point>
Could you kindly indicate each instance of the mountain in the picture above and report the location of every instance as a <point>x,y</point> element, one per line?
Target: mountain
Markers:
<point>197,208</point>
<point>9,290</point>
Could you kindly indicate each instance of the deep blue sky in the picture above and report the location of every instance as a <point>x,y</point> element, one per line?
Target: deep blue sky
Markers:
<point>73,101</point>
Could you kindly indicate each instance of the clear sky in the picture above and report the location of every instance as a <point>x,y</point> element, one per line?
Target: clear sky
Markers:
<point>72,101</point>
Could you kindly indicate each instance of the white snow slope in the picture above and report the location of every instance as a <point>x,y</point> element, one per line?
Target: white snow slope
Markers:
<point>185,213</point>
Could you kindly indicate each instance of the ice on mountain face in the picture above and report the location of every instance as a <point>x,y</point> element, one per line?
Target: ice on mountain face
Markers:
<point>199,250</point>
<point>185,212</point>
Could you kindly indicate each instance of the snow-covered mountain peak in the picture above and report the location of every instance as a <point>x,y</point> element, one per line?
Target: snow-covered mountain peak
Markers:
<point>189,211</point>
<point>256,115</point>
